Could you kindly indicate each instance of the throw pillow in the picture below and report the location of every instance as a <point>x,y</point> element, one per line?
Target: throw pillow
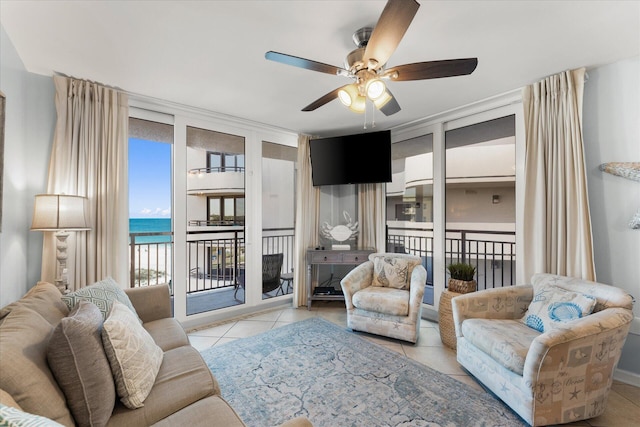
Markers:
<point>134,357</point>
<point>24,371</point>
<point>102,294</point>
<point>552,305</point>
<point>393,272</point>
<point>78,361</point>
<point>14,417</point>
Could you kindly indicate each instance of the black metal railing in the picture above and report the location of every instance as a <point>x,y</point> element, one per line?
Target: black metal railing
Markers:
<point>491,252</point>
<point>150,258</point>
<point>216,259</point>
<point>216,169</point>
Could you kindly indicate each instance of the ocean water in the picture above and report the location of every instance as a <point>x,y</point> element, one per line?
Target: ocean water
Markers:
<point>150,225</point>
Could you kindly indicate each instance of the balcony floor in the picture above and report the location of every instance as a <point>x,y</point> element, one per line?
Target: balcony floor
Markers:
<point>200,302</point>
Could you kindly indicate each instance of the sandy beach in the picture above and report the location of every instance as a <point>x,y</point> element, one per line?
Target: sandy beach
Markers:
<point>152,263</point>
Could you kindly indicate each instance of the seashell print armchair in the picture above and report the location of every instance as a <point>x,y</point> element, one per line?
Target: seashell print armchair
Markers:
<point>548,349</point>
<point>384,295</point>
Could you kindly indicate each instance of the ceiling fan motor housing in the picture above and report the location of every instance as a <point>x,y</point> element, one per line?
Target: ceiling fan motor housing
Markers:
<point>361,37</point>
<point>353,62</point>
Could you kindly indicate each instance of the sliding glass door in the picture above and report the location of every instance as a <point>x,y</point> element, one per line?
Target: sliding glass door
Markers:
<point>150,160</point>
<point>410,203</point>
<point>454,196</point>
<point>278,218</point>
<point>215,220</point>
<point>480,196</point>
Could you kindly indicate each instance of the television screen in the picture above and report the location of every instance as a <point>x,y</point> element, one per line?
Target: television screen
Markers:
<point>351,159</point>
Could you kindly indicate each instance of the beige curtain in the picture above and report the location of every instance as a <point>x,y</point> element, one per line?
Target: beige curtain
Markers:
<point>371,216</point>
<point>306,230</point>
<point>89,158</point>
<point>307,213</point>
<point>557,233</point>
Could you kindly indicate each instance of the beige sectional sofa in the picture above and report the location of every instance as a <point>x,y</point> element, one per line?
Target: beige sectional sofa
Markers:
<point>183,392</point>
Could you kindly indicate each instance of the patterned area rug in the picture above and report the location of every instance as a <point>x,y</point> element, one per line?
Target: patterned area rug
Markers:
<point>336,378</point>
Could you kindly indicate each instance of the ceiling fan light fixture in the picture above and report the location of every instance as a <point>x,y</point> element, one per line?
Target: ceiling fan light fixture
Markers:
<point>382,100</point>
<point>348,94</point>
<point>358,105</point>
<point>375,89</point>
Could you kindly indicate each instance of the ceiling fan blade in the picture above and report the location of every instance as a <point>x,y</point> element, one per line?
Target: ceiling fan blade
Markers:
<point>390,107</point>
<point>391,26</point>
<point>304,63</point>
<point>323,100</point>
<point>433,69</point>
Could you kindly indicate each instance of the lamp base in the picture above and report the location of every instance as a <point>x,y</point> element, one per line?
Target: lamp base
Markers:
<point>61,257</point>
<point>62,287</point>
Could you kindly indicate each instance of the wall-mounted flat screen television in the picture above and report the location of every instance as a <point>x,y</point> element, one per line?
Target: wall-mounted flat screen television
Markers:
<point>351,159</point>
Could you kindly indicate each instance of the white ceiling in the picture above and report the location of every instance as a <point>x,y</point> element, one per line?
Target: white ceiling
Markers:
<point>210,54</point>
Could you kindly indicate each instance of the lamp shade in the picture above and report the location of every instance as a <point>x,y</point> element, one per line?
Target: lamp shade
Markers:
<point>53,212</point>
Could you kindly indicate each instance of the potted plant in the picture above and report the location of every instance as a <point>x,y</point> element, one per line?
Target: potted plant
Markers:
<point>462,280</point>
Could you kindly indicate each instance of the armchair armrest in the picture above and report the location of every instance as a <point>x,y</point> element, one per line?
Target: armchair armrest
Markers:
<point>499,303</point>
<point>359,278</point>
<point>596,338</point>
<point>416,289</point>
<point>151,302</point>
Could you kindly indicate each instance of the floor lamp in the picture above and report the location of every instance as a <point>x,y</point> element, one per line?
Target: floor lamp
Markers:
<point>61,213</point>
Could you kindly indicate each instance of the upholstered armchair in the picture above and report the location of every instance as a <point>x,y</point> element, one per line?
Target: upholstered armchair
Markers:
<point>384,295</point>
<point>548,349</point>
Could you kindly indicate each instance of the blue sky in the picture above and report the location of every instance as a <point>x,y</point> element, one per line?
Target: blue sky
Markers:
<point>149,179</point>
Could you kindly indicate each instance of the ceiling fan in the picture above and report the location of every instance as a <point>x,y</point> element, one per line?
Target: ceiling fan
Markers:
<point>366,64</point>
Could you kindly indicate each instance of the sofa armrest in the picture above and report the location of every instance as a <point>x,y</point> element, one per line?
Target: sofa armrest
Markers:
<point>416,289</point>
<point>577,346</point>
<point>500,303</point>
<point>151,302</point>
<point>359,278</point>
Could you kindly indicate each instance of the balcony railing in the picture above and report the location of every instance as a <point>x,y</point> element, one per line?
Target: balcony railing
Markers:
<point>216,259</point>
<point>150,258</point>
<point>491,252</point>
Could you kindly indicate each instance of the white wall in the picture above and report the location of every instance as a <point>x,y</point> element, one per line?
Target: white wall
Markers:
<point>611,129</point>
<point>29,125</point>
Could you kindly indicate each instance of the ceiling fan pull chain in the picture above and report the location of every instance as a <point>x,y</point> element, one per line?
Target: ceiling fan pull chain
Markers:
<point>373,115</point>
<point>365,115</point>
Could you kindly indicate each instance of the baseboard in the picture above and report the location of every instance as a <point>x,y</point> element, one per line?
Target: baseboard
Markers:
<point>627,377</point>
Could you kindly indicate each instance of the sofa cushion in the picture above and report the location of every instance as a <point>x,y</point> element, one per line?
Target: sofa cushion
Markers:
<point>44,299</point>
<point>197,415</point>
<point>384,300</point>
<point>507,341</point>
<point>79,364</point>
<point>552,305</point>
<point>102,294</point>
<point>133,355</point>
<point>183,379</point>
<point>167,333</point>
<point>392,271</point>
<point>23,349</point>
<point>13,417</point>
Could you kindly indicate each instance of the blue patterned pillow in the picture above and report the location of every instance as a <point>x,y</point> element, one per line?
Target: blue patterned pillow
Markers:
<point>552,305</point>
<point>102,294</point>
<point>13,417</point>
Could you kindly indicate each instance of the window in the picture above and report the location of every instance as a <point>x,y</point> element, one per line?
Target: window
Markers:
<point>225,162</point>
<point>225,210</point>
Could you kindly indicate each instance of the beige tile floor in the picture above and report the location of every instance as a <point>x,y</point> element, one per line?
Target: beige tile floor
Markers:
<point>623,407</point>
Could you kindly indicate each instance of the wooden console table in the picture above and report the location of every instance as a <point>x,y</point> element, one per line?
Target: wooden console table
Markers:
<point>317,257</point>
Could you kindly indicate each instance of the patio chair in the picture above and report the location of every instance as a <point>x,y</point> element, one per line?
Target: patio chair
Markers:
<point>271,268</point>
